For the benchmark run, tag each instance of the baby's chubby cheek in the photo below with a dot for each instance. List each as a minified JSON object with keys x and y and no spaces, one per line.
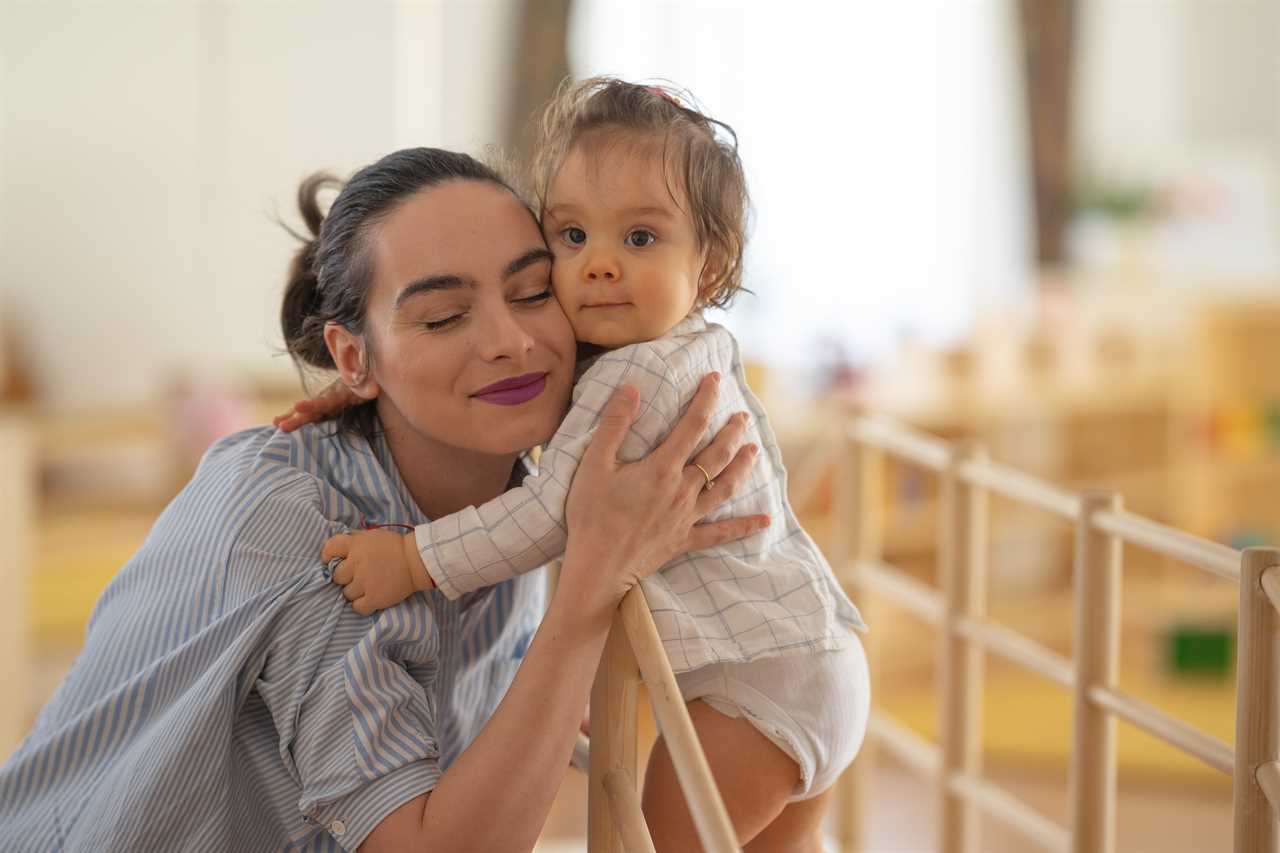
{"x":570,"y":307}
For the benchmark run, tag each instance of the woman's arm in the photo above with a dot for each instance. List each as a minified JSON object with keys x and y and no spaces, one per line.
{"x":625,"y":521}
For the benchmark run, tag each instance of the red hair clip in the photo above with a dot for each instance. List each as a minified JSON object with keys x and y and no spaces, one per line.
{"x":665,"y":95}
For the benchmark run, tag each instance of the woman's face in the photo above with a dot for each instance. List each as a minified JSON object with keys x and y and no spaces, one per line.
{"x":470,"y":348}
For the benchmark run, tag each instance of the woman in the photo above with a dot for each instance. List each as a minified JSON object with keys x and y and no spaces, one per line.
{"x":228,"y":698}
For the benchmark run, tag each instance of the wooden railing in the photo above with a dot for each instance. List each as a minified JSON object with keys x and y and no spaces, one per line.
{"x":614,"y":822}
{"x":17,"y":521}
{"x":957,"y":607}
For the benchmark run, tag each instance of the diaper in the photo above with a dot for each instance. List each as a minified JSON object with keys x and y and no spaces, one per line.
{"x":813,"y":706}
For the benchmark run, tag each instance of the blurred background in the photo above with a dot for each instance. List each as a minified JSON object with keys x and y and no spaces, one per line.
{"x":1053,"y":226}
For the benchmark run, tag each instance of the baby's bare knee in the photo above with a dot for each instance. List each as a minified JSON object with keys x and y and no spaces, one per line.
{"x":798,"y":829}
{"x":754,"y":778}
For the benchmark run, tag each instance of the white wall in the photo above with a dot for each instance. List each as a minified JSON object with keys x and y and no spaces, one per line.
{"x":145,"y":148}
{"x":1184,"y":96}
{"x":883,"y":144}
{"x":1160,"y":81}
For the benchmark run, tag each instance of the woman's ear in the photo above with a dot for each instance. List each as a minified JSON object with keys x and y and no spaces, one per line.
{"x":351,"y":357}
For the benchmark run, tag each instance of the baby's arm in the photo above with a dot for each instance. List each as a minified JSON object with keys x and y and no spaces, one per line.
{"x":524,"y":527}
{"x":378,"y":568}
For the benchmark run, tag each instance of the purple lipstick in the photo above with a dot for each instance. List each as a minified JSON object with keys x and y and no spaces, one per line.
{"x":513,"y":391}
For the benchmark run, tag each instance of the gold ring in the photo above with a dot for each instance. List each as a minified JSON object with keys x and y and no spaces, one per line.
{"x":710,"y":482}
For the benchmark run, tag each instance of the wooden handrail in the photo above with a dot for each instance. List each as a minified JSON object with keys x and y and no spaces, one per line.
{"x":1102,"y":527}
{"x":1167,"y":541}
{"x":1158,"y":724}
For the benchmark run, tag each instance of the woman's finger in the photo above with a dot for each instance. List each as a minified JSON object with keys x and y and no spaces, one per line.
{"x":719,"y":532}
{"x":703,"y":471}
{"x":677,"y":447}
{"x":615,"y":420}
{"x":717,"y":455}
{"x":728,"y":480}
{"x":338,"y":545}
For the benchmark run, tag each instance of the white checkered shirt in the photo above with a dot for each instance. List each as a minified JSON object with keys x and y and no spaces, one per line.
{"x":769,"y":594}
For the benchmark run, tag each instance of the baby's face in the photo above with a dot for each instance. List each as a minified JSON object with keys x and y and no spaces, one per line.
{"x":627,"y":263}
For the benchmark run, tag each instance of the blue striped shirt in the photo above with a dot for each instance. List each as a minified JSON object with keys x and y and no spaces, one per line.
{"x":228,"y":697}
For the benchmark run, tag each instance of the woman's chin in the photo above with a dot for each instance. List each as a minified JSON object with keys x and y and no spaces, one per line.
{"x":517,"y":434}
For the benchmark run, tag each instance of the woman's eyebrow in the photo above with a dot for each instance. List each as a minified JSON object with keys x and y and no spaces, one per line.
{"x":527,"y":259}
{"x":453,"y":281}
{"x":446,"y":281}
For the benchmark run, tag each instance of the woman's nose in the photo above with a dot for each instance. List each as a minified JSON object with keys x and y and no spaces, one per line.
{"x":503,"y":336}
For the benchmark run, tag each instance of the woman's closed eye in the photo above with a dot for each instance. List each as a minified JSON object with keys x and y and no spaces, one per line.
{"x":535,"y":298}
{"x":433,"y":325}
{"x":540,"y":297}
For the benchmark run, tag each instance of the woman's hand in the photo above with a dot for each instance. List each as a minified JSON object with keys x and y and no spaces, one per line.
{"x":327,"y":404}
{"x":626,"y":520}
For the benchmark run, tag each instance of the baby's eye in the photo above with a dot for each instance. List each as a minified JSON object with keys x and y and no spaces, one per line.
{"x":574,"y":236}
{"x":640,"y":238}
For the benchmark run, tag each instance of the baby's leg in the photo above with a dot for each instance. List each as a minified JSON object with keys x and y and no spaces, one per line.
{"x":754,"y":777}
{"x":797,"y":830}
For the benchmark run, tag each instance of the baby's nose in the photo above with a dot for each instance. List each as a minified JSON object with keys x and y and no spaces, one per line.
{"x":602,"y":266}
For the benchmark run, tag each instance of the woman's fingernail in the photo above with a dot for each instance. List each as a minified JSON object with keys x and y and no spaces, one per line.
{"x":753,"y":449}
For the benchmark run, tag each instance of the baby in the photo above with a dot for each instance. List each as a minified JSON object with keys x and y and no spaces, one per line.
{"x":644,"y":205}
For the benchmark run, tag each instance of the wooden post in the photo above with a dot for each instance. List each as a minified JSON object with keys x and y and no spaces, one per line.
{"x":17,"y":498}
{"x":1257,"y":704}
{"x":706,"y":808}
{"x":613,"y":736}
{"x":962,"y":552}
{"x":857,"y":516}
{"x":628,"y":813}
{"x":1092,"y":775}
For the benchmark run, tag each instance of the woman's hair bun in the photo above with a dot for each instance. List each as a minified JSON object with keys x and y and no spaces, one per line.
{"x":299,"y":320}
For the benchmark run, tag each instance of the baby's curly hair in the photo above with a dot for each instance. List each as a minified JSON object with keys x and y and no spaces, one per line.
{"x":699,"y":150}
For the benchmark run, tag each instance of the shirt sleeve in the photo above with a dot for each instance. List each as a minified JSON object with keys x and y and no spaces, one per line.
{"x":524,"y":528}
{"x":356,"y":729}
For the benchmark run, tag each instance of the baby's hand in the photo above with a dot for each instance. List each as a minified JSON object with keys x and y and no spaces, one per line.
{"x":327,"y":404}
{"x":376,"y":569}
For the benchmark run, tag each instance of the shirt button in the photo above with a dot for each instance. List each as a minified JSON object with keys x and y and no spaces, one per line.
{"x":338,"y":827}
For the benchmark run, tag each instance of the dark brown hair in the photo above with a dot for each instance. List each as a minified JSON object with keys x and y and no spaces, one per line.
{"x":330,"y":277}
{"x":701,"y":152}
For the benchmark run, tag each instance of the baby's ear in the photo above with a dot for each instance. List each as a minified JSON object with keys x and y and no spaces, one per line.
{"x":714,"y":269}
{"x":351,"y":357}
